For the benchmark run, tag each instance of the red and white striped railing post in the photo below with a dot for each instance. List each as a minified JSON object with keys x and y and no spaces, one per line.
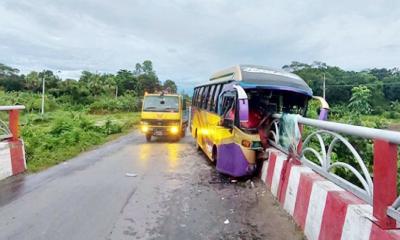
{"x":13,"y":123}
{"x":385,"y":181}
{"x":11,"y":146}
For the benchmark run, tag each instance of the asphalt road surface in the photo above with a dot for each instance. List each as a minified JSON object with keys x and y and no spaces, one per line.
{"x":130,"y":189}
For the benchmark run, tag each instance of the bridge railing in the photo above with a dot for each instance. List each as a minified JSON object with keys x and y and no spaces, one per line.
{"x":10,"y":130}
{"x":317,"y":151}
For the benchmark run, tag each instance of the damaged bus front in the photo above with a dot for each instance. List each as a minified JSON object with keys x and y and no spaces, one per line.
{"x":232,"y":112}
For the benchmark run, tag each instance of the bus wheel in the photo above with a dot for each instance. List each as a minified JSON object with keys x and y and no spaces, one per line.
{"x":148,"y":137}
{"x":214,"y":156}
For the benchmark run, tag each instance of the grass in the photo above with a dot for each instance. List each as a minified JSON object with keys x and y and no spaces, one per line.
{"x":61,"y":135}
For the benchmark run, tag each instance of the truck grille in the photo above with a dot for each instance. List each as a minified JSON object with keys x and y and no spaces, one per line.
{"x":155,"y":122}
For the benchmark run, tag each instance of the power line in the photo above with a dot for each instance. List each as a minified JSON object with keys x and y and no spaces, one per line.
{"x":365,"y":84}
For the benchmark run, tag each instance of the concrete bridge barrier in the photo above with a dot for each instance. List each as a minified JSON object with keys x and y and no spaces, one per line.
{"x":12,"y":152}
{"x":326,"y":206}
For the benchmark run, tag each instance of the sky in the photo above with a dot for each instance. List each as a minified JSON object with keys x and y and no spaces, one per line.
{"x":189,"y":40}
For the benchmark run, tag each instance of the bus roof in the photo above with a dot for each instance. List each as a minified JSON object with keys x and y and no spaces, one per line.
{"x":250,"y":76}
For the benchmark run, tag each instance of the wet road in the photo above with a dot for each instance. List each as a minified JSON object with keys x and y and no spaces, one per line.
{"x":176,"y":194}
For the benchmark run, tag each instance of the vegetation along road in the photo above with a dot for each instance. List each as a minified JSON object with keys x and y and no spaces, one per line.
{"x":130,"y":189}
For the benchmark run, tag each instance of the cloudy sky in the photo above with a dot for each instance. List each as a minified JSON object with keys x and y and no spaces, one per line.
{"x":188,"y":40}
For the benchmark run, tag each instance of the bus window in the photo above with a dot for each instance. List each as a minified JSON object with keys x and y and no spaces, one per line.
{"x":210,"y":98}
{"x":194,"y":96}
{"x":228,"y":107}
{"x":199,"y":96}
{"x":214,"y":104}
{"x":204,"y":97}
{"x":227,"y":104}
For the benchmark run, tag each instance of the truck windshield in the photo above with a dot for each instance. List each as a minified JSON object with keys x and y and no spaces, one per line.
{"x":161,"y":104}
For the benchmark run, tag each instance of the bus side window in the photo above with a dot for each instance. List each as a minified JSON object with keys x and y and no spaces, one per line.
{"x":194,"y":97}
{"x":215,"y":101}
{"x":199,"y":96}
{"x":204,"y":98}
{"x":210,"y":98}
{"x":227,"y":106}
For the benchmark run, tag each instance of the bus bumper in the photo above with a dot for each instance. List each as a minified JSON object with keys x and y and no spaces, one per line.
{"x":232,"y":161}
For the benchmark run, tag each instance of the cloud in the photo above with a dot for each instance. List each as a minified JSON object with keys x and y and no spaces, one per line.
{"x":188,"y":40}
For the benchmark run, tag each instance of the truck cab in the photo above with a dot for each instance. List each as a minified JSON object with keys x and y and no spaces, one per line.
{"x":163,"y":115}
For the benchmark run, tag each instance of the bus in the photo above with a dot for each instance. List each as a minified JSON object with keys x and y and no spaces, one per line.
{"x":163,"y":114}
{"x":229,"y":110}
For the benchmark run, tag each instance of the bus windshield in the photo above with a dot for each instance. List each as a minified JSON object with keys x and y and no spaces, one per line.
{"x":161,"y":104}
{"x":263,"y":103}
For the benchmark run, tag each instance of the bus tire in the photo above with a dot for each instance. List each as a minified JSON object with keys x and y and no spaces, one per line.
{"x":214,"y":155}
{"x":148,"y":137}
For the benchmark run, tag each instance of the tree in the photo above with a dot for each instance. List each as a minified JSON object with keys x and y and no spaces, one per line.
{"x":148,"y":84}
{"x":7,"y":71}
{"x":391,"y":88}
{"x":138,"y":69}
{"x":359,"y":101}
{"x":147,"y":67}
{"x":77,"y":91}
{"x":147,"y":80}
{"x":126,"y":81}
{"x":171,"y":85}
{"x":85,"y":77}
{"x":9,"y":78}
{"x":32,"y":82}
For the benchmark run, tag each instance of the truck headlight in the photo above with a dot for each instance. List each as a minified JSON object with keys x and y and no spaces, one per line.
{"x":174,"y":129}
{"x":145,"y":128}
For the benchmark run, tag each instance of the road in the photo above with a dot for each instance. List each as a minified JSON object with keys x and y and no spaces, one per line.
{"x":176,"y":194}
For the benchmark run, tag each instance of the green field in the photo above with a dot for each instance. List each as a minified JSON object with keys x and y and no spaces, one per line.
{"x":61,"y":135}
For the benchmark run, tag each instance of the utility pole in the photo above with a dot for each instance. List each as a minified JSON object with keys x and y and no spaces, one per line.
{"x":323,"y":88}
{"x":43,"y":86}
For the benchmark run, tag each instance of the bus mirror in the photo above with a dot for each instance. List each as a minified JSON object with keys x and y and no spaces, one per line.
{"x":324,"y":110}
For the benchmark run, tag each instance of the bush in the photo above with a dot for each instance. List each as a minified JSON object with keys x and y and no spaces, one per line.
{"x":126,"y":103}
{"x":62,"y":137}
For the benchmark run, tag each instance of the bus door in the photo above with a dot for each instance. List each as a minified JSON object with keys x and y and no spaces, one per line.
{"x":233,"y":110}
{"x":226,"y":109}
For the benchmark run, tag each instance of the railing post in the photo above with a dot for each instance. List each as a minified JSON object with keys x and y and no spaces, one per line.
{"x":385,"y":181}
{"x":13,"y":124}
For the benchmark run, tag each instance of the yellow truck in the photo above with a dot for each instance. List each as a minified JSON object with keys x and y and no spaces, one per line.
{"x":163,"y":115}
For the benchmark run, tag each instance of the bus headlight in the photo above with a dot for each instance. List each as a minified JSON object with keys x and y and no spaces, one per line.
{"x":174,"y":129}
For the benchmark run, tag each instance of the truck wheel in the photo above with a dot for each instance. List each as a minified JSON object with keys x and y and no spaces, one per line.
{"x":148,"y":137}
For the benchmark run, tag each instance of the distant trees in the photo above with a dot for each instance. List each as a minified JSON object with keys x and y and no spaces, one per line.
{"x":9,"y":78}
{"x":170,"y":85}
{"x":142,"y":78}
{"x":384,"y":84}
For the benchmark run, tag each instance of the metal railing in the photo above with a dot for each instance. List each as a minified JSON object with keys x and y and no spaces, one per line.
{"x":10,"y":130}
{"x":380,"y":190}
